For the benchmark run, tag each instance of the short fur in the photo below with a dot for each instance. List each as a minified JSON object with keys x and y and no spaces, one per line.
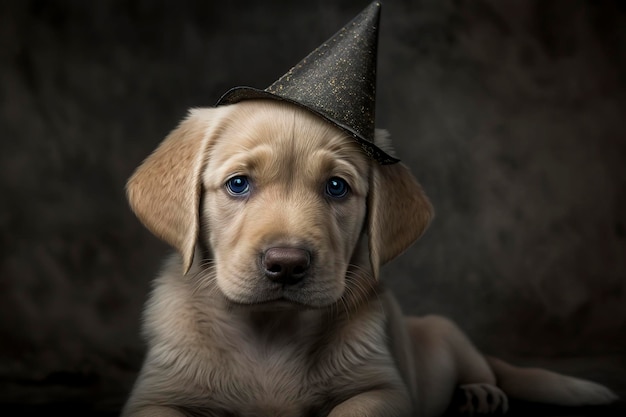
{"x":225,"y":340}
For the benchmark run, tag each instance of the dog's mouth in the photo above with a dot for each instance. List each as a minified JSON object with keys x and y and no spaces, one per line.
{"x":277,"y":298}
{"x":281,"y":302}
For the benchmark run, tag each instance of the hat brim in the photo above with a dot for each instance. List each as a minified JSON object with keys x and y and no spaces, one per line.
{"x":237,"y":94}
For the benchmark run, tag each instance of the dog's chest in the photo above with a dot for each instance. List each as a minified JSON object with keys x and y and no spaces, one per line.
{"x":268,"y":373}
{"x":271,"y":379}
{"x":295,"y":372}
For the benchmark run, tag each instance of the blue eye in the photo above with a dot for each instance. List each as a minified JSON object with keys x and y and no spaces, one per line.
{"x":238,"y":185}
{"x":337,"y":187}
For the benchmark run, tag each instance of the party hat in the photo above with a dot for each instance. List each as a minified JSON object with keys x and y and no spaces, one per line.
{"x":337,"y":81}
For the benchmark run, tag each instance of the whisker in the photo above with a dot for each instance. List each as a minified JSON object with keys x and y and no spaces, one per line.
{"x":360,"y":285}
{"x":345,"y":304}
{"x":204,"y":278}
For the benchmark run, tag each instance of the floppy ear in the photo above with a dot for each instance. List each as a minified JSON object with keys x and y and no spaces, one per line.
{"x":164,"y":192}
{"x":398,"y":212}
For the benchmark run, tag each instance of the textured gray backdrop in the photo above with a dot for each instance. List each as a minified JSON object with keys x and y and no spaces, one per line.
{"x":511,"y":113}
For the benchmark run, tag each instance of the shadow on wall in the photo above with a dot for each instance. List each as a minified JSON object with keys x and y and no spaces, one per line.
{"x":510,"y":113}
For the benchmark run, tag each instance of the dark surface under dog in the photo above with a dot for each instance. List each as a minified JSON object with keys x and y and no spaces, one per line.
{"x":83,"y":403}
{"x":513,"y":124}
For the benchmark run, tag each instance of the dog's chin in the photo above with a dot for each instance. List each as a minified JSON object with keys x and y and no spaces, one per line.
{"x":281,"y":302}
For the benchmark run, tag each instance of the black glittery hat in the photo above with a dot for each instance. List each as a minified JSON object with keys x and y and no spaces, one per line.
{"x":337,"y":81}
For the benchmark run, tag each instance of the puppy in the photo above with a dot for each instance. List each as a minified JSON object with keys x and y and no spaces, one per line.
{"x":273,"y":304}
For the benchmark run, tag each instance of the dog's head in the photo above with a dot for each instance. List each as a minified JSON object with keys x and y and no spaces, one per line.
{"x":288,"y":205}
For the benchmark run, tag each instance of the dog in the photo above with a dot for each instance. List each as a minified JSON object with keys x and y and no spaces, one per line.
{"x":273,"y":304}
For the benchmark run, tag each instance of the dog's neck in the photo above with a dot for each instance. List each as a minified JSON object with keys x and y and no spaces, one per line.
{"x":279,"y":325}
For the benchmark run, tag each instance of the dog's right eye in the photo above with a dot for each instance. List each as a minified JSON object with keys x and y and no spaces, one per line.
{"x":238,"y":186}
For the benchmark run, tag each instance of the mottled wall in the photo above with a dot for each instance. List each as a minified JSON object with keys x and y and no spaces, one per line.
{"x":511,"y":113}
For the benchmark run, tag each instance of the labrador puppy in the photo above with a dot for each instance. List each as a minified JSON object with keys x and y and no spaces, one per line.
{"x":273,"y":305}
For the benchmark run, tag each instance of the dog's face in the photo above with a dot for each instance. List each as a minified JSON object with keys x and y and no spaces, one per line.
{"x":288,"y":206}
{"x":284,"y":205}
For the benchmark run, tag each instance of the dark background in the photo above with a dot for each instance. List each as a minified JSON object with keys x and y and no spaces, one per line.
{"x":511,"y":113}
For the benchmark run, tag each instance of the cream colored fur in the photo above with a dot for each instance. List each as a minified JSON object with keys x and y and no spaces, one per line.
{"x":224,"y":340}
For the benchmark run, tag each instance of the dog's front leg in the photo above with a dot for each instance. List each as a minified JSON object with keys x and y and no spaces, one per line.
{"x":375,"y":403}
{"x":162,"y":411}
{"x":155,"y":411}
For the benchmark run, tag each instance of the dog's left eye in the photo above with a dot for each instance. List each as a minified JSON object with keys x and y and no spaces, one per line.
{"x":337,"y":187}
{"x":238,"y":185}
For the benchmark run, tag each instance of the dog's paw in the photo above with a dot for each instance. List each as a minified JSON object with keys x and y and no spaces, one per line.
{"x":482,"y":399}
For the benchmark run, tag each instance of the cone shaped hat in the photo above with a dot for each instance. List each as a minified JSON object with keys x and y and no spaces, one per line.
{"x":337,"y":81}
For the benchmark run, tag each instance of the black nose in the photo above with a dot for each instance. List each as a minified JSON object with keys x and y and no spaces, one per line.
{"x":286,"y":265}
